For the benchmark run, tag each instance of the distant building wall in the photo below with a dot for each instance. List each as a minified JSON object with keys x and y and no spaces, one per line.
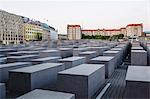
{"x":130,"y":30}
{"x":11,"y":28}
{"x":134,"y":30}
{"x":74,"y":32}
{"x":32,"y":31}
{"x":54,"y":35}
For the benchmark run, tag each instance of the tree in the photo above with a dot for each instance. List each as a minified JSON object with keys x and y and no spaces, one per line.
{"x":39,"y":36}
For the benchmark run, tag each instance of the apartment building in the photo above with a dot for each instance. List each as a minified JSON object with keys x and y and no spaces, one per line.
{"x":74,"y":32}
{"x":129,"y":31}
{"x":32,"y":31}
{"x":36,"y":30}
{"x":134,"y":30}
{"x":11,"y":28}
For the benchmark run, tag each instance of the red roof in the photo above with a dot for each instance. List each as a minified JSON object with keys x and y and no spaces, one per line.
{"x":74,"y":26}
{"x":135,"y":25}
{"x":112,"y":29}
{"x":90,"y":30}
{"x":102,"y":30}
{"x":123,"y":28}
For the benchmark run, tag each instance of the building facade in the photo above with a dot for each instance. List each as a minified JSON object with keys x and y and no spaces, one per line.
{"x":74,"y":32}
{"x":11,"y":28}
{"x":32,"y":31}
{"x":128,"y":31}
{"x":134,"y":30}
{"x":62,"y":37}
{"x":36,"y":30}
{"x":15,"y":29}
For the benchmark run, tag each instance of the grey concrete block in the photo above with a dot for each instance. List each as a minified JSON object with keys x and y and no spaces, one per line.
{"x":138,"y":82}
{"x":76,"y":51}
{"x":148,"y":55}
{"x":50,"y":53}
{"x":137,"y":48}
{"x":26,"y":48}
{"x":88,"y":55}
{"x":45,"y":94}
{"x":20,"y":53}
{"x":66,"y":52}
{"x":25,"y":58}
{"x":72,"y":61}
{"x":83,"y":80}
{"x":108,"y":61}
{"x":38,"y":49}
{"x":37,"y":76}
{"x":2,"y":91}
{"x":138,"y":57}
{"x":4,"y":68}
{"x":110,"y":53}
{"x":116,"y":55}
{"x":99,"y":50}
{"x":45,"y":60}
{"x":6,"y":51}
{"x":135,"y":44}
{"x":2,"y":56}
{"x":121,"y":51}
{"x":125,"y":47}
{"x":3,"y":60}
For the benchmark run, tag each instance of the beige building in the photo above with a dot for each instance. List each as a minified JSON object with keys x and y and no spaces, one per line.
{"x":103,"y":32}
{"x":134,"y":30}
{"x":11,"y":28}
{"x":74,"y":32}
{"x":32,"y":31}
{"x":128,"y":31}
{"x":36,"y":30}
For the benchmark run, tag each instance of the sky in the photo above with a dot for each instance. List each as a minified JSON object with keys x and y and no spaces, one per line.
{"x":90,"y":14}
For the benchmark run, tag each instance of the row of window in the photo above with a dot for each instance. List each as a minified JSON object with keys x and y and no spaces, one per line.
{"x":8,"y":35}
{"x":12,"y":38}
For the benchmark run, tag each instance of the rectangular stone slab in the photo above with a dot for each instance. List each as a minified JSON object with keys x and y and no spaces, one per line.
{"x":116,"y":55}
{"x":72,"y":61}
{"x":83,"y":80}
{"x":3,"y":60}
{"x":138,"y":82}
{"x":108,"y":61}
{"x":2,"y":91}
{"x":25,"y":58}
{"x":36,"y":76}
{"x":121,"y":51}
{"x":137,"y":48}
{"x":20,"y":53}
{"x":2,"y":56}
{"x":88,"y":55}
{"x":148,"y":55}
{"x":76,"y":51}
{"x":46,"y":94}
{"x":50,"y":53}
{"x":138,"y":57}
{"x":4,"y":68}
{"x":99,"y":50}
{"x":45,"y":60}
{"x":5,"y":51}
{"x":66,"y":52}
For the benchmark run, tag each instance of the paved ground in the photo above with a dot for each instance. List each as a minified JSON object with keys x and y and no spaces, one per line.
{"x":117,"y":80}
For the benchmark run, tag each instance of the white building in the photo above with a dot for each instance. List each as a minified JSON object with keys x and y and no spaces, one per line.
{"x":74,"y":32}
{"x":11,"y":28}
{"x":54,"y":34}
{"x":134,"y":30}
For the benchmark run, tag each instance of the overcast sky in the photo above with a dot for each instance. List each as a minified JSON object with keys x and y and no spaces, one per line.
{"x":90,"y":14}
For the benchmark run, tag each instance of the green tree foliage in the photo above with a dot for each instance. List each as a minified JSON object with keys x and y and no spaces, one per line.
{"x":114,"y":37}
{"x":39,"y":36}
